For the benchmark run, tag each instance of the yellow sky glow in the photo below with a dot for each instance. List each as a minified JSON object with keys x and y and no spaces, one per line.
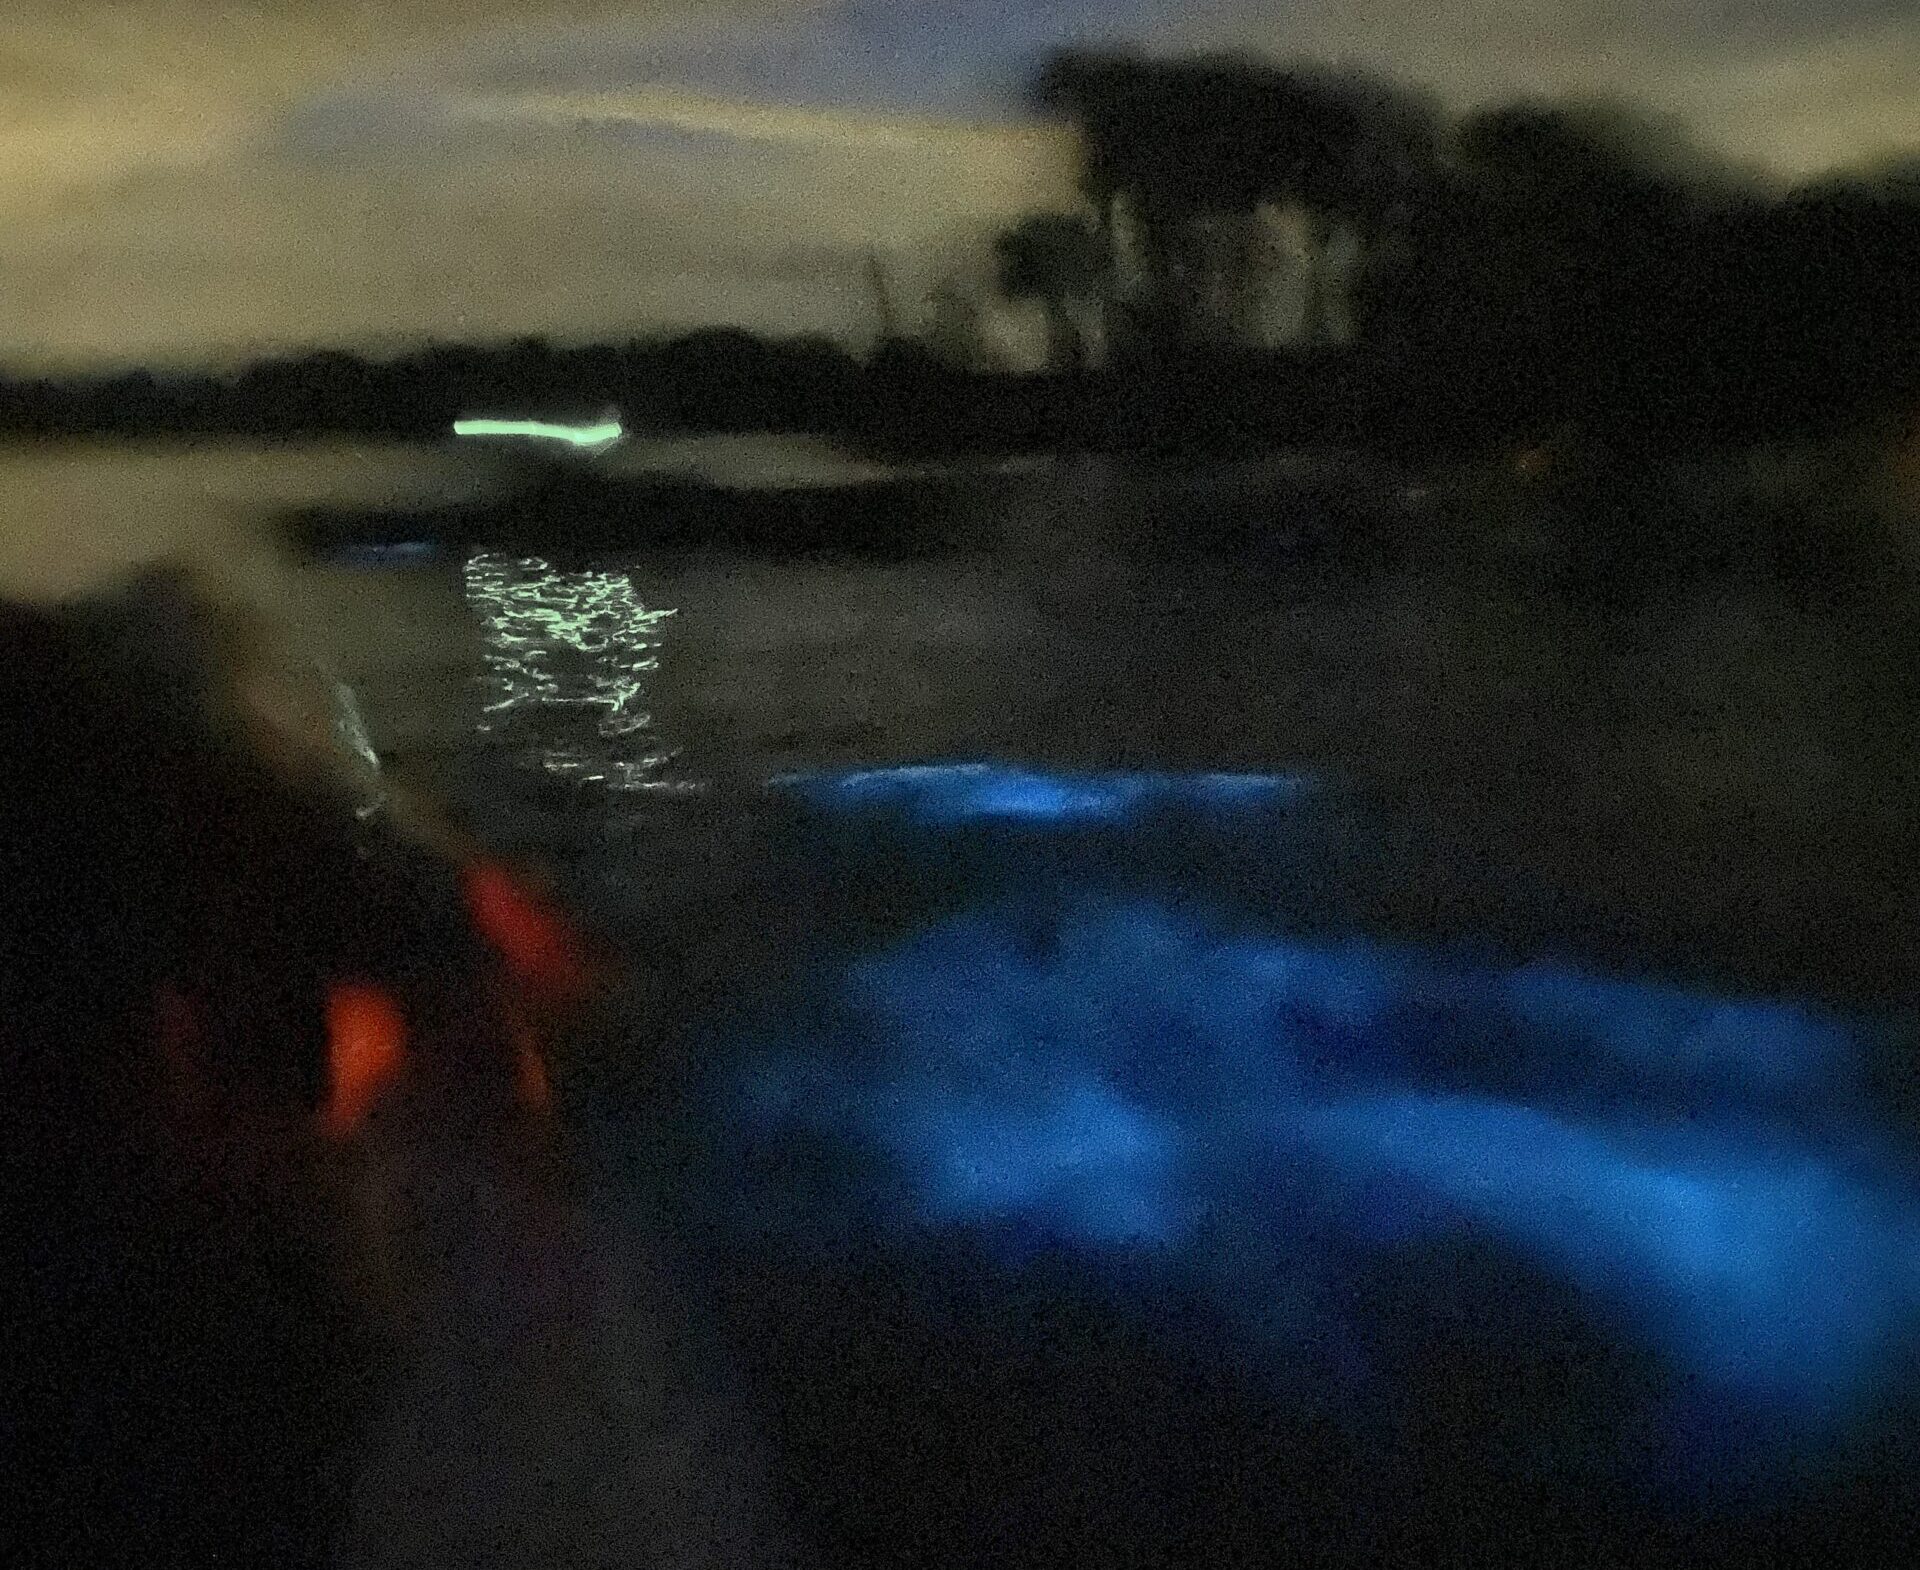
{"x":669,"y":109}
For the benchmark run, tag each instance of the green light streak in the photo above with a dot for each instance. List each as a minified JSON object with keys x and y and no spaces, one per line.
{"x":602,"y":435}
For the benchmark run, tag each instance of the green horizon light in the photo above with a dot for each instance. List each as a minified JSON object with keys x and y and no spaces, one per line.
{"x":601,"y":435}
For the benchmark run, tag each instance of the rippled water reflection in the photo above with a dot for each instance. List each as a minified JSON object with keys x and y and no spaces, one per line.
{"x":570,"y":656}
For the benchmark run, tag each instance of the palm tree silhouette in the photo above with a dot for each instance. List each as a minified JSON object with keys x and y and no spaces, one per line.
{"x":1193,"y":150}
{"x":1061,"y":262}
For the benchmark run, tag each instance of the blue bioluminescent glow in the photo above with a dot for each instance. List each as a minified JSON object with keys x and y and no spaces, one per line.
{"x":953,"y":793}
{"x":1752,"y":1261}
{"x":603,"y":434}
{"x":1084,"y":1159}
{"x":1269,"y":1116}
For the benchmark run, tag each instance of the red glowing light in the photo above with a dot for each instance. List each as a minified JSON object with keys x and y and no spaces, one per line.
{"x":366,"y":1049}
{"x":535,"y":943}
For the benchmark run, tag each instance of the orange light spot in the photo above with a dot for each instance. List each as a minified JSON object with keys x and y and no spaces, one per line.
{"x":366,"y":1048}
{"x":533,"y":940}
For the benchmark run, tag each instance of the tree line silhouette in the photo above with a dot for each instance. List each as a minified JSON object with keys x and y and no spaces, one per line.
{"x":1527,"y":264}
{"x":1484,"y":278}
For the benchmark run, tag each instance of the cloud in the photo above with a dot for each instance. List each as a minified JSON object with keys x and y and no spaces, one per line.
{"x":354,"y":194}
{"x":1848,"y":101}
{"x":1791,"y":86}
{"x":564,"y":226}
{"x":747,"y":121}
{"x":178,"y":177}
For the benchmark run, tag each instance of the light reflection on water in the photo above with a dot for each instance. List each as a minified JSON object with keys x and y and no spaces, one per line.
{"x":562,"y":647}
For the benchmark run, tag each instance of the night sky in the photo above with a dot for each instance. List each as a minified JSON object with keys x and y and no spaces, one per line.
{"x":186,"y":179}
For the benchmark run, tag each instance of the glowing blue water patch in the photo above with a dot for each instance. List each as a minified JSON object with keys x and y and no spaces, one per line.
{"x":1266,"y":1115}
{"x":1084,"y":1160}
{"x":1755,"y":1048}
{"x":1758,"y":1262}
{"x":956,"y":793}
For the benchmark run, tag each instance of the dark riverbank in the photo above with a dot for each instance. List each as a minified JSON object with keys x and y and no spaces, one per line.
{"x":906,"y":404}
